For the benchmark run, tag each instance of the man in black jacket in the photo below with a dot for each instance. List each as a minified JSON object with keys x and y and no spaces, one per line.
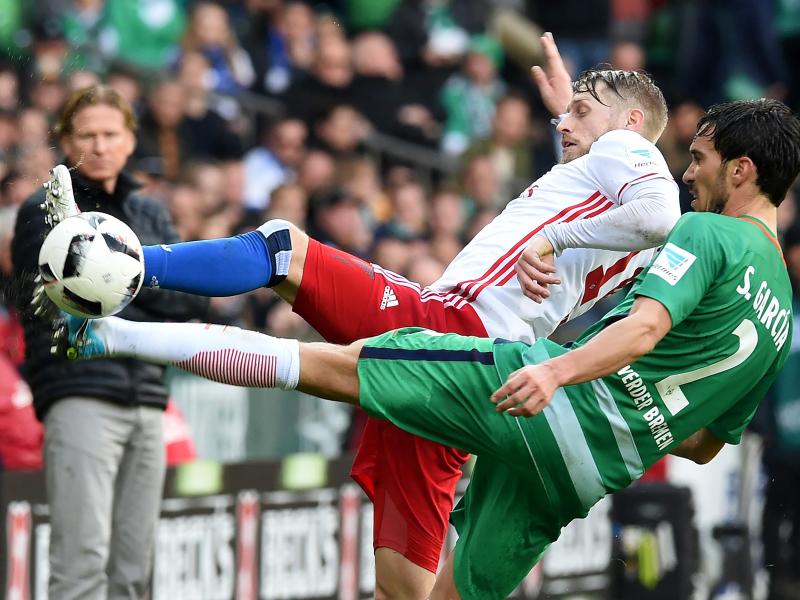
{"x":104,"y":448}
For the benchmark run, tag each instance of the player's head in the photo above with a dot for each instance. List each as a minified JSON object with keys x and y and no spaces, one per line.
{"x":96,"y":129}
{"x":748,"y":148}
{"x":604,"y":100}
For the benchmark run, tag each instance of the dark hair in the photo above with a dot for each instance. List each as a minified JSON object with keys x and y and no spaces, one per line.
{"x":766,"y":132}
{"x":631,"y":86}
{"x":93,"y":96}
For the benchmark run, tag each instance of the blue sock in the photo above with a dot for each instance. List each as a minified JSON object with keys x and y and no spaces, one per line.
{"x":221,"y":267}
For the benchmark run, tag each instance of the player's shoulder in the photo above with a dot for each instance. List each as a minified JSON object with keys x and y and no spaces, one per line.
{"x":624,"y":140}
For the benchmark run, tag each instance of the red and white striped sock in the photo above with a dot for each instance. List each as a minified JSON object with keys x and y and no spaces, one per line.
{"x":225,"y":354}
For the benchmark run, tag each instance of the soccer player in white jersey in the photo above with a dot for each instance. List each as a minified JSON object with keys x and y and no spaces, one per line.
{"x":602,"y":211}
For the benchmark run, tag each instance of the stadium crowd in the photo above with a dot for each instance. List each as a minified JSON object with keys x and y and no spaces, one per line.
{"x":392,"y":129}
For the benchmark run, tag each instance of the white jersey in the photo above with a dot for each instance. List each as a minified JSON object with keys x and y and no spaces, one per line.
{"x":483,"y":273}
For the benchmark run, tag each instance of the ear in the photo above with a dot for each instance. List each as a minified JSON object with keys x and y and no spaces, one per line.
{"x":635,"y":120}
{"x":742,"y":170}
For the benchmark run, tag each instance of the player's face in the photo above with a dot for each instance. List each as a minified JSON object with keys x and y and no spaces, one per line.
{"x":585,"y":121}
{"x":705,"y":177}
{"x":100,"y":142}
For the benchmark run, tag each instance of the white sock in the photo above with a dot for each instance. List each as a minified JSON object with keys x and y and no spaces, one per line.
{"x":225,"y":354}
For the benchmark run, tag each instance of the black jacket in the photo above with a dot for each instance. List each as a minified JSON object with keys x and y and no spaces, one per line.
{"x":126,"y":381}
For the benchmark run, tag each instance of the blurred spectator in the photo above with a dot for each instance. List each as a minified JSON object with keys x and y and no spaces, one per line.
{"x":49,"y":48}
{"x":336,"y":220}
{"x":469,"y":97}
{"x":33,"y":128}
{"x":480,"y":186}
{"x":510,"y":145}
{"x":317,"y":171}
{"x":128,"y":84}
{"x":210,"y":33}
{"x":425,"y":270}
{"x":787,"y":24}
{"x":362,"y":15}
{"x":47,"y":95}
{"x":178,"y":126}
{"x":341,"y":131}
{"x":273,"y":163}
{"x":729,"y":50}
{"x":448,"y":216}
{"x":15,"y":188}
{"x":9,"y":88}
{"x":77,"y":80}
{"x":328,"y":84}
{"x":431,"y":37}
{"x":581,"y":28}
{"x":778,"y":420}
{"x":144,"y":34}
{"x":382,"y":95}
{"x":391,"y":253}
{"x":409,"y":218}
{"x":675,"y":141}
{"x":360,"y":178}
{"x":627,"y":55}
{"x":185,"y":206}
{"x":289,"y":202}
{"x":267,"y":46}
{"x":104,"y":453}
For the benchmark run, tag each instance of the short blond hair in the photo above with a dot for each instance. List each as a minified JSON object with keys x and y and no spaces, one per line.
{"x":636,"y":88}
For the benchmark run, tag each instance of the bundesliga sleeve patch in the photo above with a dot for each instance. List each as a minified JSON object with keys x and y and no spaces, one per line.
{"x":672,"y":263}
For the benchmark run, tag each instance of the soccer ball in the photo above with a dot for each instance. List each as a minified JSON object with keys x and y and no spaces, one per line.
{"x":91,"y":265}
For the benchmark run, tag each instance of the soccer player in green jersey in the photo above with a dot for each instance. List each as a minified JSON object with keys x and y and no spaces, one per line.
{"x":678,"y":367}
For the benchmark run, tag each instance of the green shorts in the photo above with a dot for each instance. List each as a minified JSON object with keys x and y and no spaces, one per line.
{"x":437,"y":386}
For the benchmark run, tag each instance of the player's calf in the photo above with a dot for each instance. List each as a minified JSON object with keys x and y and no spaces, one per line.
{"x":226,"y":266}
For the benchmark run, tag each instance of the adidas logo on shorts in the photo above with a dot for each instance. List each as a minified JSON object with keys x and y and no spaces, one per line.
{"x":389,"y":298}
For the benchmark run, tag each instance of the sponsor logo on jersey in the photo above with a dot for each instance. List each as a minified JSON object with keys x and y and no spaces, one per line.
{"x":672,"y":263}
{"x":641,"y":157}
{"x":389,"y":298}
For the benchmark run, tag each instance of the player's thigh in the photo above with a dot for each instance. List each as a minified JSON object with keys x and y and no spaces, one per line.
{"x":414,"y":483}
{"x":437,"y":386}
{"x":504,"y":524}
{"x":346,"y":298}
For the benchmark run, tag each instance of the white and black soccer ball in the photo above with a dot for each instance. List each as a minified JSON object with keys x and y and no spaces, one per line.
{"x":91,"y":265}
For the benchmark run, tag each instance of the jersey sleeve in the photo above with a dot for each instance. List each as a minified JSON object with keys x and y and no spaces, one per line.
{"x":685,"y":268}
{"x":621,"y":159}
{"x":729,"y":426}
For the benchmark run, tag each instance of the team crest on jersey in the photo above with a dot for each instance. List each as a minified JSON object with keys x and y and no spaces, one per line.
{"x":672,"y":263}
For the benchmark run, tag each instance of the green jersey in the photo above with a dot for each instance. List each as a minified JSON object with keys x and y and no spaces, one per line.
{"x":725,"y":286}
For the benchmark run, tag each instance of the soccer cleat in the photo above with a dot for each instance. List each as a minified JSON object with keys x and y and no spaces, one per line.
{"x":75,"y":338}
{"x":59,"y":199}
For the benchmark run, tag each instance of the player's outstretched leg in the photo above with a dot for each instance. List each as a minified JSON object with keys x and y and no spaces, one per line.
{"x":272,"y":255}
{"x":217,"y":352}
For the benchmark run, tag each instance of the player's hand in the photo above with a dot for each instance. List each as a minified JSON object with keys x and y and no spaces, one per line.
{"x":553,"y":81}
{"x":535,"y":268}
{"x":526,"y":391}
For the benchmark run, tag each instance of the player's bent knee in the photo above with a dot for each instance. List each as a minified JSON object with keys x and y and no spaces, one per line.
{"x":296,"y":248}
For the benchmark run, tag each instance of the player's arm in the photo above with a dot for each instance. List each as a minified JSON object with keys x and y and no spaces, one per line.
{"x":699,"y":447}
{"x":529,"y":389}
{"x":642,"y":222}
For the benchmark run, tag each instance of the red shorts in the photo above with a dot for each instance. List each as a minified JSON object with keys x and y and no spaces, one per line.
{"x":410,"y":480}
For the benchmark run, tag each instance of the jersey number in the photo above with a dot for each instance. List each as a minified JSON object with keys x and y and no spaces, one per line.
{"x":669,"y":388}
{"x":597,"y":278}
